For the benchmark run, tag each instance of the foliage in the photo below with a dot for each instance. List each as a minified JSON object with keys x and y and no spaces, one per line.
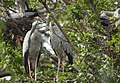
{"x":97,"y":53}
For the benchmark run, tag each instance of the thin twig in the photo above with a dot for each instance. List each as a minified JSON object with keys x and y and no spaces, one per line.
{"x":59,"y":36}
{"x":93,"y":6}
{"x":67,"y":2}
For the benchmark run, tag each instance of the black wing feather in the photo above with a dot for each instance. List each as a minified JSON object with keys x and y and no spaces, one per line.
{"x":26,"y":61}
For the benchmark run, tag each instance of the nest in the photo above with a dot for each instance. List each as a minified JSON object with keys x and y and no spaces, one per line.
{"x":16,"y":30}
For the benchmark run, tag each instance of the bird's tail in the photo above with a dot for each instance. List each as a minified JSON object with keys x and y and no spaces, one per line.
{"x":70,"y":58}
{"x":26,"y":62}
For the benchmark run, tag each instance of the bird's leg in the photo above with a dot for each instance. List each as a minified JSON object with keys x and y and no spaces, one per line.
{"x":58,"y":68}
{"x":36,"y":67}
{"x":29,"y":67}
{"x":63,"y":61}
{"x":37,"y":61}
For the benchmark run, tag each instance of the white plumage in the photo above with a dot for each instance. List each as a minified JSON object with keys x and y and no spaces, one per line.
{"x":46,"y":43}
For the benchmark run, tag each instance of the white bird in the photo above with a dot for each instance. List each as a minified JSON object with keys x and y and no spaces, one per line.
{"x":32,"y":46}
{"x":60,"y":46}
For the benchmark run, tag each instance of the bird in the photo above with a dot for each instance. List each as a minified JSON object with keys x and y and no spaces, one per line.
{"x":47,"y":47}
{"x":32,"y":46}
{"x":60,"y":46}
{"x":108,"y":24}
{"x":104,"y":17}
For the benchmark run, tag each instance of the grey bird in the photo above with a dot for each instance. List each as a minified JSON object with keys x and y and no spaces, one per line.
{"x":32,"y":46}
{"x":60,"y":46}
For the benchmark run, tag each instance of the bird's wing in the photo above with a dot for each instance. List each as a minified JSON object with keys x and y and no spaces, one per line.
{"x":25,"y":51}
{"x":26,"y":61}
{"x":57,"y":42}
{"x":25,"y":43}
{"x":68,"y":50}
{"x":39,"y":53}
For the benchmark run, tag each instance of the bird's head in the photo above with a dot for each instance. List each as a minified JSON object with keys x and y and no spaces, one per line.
{"x":117,"y":13}
{"x":38,"y":24}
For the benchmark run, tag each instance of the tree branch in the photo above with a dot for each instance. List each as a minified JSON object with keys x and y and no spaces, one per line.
{"x":16,"y":26}
{"x":93,"y":6}
{"x":3,"y":73}
{"x":67,"y":2}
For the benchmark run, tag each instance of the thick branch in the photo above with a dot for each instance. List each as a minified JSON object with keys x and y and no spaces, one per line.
{"x":3,"y":73}
{"x":42,"y":10}
{"x":67,"y":2}
{"x":20,"y":31}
